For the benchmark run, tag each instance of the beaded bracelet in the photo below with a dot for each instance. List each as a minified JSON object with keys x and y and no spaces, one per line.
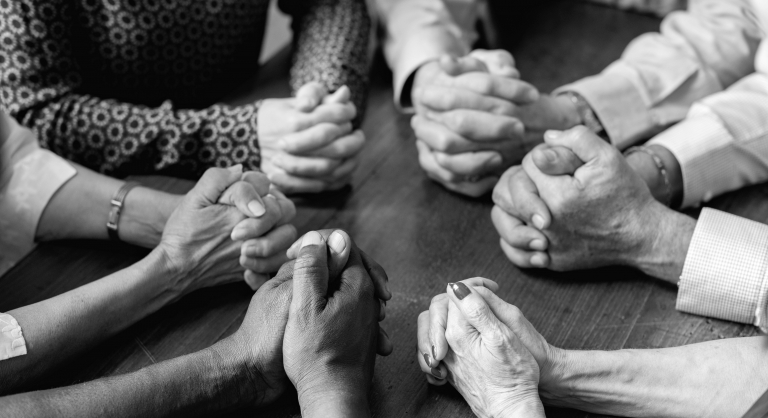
{"x":659,"y":165}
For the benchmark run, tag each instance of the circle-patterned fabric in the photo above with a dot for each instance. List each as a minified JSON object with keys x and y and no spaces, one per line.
{"x":128,"y":86}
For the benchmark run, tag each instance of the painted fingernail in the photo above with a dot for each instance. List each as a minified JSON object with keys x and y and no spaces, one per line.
{"x":256,"y":208}
{"x":460,"y":290}
{"x":538,"y":221}
{"x":311,"y":238}
{"x":426,"y":360}
{"x":436,"y":372}
{"x":337,"y":242}
{"x":434,"y":355}
{"x":538,"y":260}
{"x":538,"y":244}
{"x":550,"y":155}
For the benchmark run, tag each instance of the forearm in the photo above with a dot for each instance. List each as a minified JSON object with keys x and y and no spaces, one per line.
{"x":340,"y":404}
{"x":713,"y":379}
{"x":193,"y":385}
{"x":57,"y":328}
{"x":80,"y":209}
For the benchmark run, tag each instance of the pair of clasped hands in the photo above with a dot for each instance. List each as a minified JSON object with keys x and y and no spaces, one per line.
{"x":574,"y":203}
{"x":475,"y":118}
{"x":308,"y":143}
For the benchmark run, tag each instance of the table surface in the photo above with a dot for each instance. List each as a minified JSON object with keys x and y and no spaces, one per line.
{"x":423,"y":235}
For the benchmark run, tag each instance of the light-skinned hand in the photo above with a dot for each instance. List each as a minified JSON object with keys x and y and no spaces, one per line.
{"x":307,"y":143}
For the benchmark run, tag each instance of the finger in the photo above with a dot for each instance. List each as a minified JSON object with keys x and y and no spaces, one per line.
{"x":525,"y":259}
{"x":529,"y":205}
{"x":305,"y":166}
{"x":258,"y":180}
{"x":435,"y":342}
{"x":435,"y":382}
{"x":470,"y":163}
{"x":499,"y":62}
{"x":583,"y":142}
{"x":287,"y":208}
{"x":440,"y":138}
{"x":255,"y":280}
{"x":310,"y":95}
{"x":449,"y":180}
{"x":555,"y":161}
{"x":442,"y":98}
{"x":245,"y":197}
{"x":512,"y":89}
{"x":269,"y":264}
{"x":314,"y":137}
{"x":342,"y":147}
{"x":384,"y":346}
{"x":274,"y":242}
{"x":516,"y":233}
{"x":256,"y":227}
{"x":337,"y":113}
{"x":378,"y":276}
{"x":475,"y":310}
{"x":310,"y":274}
{"x":342,"y":95}
{"x":290,"y":184}
{"x":213,"y":183}
{"x":426,"y":361}
{"x":454,"y":66}
{"x":340,"y":245}
{"x":479,"y":126}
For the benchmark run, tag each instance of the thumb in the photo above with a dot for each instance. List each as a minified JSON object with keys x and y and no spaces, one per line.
{"x":340,"y":245}
{"x":309,"y":96}
{"x":499,"y":62}
{"x":583,"y":142}
{"x":456,"y":66}
{"x":555,"y":161}
{"x":310,"y":274}
{"x":213,"y":183}
{"x":474,"y":309}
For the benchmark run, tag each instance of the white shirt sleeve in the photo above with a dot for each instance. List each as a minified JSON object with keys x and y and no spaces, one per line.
{"x":724,"y":275}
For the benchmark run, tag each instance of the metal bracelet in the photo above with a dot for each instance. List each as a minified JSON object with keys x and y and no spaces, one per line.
{"x":659,"y":165}
{"x":117,"y":206}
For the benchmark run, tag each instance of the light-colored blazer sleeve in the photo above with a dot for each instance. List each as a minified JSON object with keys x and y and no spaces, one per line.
{"x":697,"y":53}
{"x":419,"y":31}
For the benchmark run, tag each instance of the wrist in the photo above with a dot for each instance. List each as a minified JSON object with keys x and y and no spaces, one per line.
{"x":529,"y":406}
{"x":339,"y":401}
{"x":419,"y":77}
{"x":669,"y":189}
{"x":569,"y":112}
{"x":144,"y":216}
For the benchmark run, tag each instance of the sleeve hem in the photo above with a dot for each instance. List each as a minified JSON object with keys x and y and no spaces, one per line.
{"x":12,"y":343}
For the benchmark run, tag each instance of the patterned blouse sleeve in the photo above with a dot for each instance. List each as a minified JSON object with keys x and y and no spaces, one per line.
{"x":39,"y":87}
{"x":331,"y":45}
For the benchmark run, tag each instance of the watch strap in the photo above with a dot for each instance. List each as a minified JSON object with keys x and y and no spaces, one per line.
{"x":117,"y":202}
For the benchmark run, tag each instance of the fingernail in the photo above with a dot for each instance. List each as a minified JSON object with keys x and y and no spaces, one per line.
{"x":538,"y":260}
{"x":538,"y":244}
{"x":538,"y":221}
{"x":434,"y":355}
{"x":552,"y":134}
{"x":550,"y":155}
{"x":337,"y":242}
{"x":460,"y":290}
{"x":256,"y":208}
{"x":436,"y":372}
{"x":494,"y":161}
{"x":426,"y":360}
{"x":311,"y":238}
{"x":237,"y":168}
{"x":533,"y":95}
{"x":237,"y":233}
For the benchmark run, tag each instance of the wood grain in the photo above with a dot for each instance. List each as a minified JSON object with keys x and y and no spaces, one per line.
{"x":423,"y":235}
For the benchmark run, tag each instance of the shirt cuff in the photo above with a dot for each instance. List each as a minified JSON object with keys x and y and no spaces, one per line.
{"x":725,"y":268}
{"x":702,"y":146}
{"x":12,"y":342}
{"x":617,"y":102}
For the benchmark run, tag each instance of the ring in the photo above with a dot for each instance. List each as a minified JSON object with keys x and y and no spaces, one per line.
{"x":472,"y":179}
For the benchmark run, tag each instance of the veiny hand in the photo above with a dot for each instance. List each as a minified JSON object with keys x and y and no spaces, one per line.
{"x":600,"y":215}
{"x":465,"y":125}
{"x":307,"y":142}
{"x":332,"y":335}
{"x":487,"y":362}
{"x":196,"y":240}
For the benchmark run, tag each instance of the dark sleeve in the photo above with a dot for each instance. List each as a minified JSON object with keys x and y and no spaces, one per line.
{"x":40,"y":88}
{"x":331,"y":45}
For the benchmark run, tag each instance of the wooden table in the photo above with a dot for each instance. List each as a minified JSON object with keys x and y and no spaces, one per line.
{"x":424,"y":237}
